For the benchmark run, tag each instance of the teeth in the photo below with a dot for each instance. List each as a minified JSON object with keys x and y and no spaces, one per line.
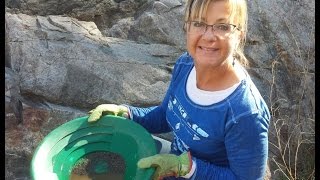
{"x":209,"y":49}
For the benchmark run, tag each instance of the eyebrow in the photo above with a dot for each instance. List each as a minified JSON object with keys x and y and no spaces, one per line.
{"x":219,"y":20}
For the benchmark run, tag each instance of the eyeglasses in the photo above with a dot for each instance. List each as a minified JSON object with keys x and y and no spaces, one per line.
{"x":221,"y":29}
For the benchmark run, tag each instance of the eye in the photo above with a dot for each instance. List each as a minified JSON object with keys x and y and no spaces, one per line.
{"x":198,"y":24}
{"x":223,"y":27}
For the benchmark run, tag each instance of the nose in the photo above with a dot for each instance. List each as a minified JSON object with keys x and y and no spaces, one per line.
{"x":209,"y":34}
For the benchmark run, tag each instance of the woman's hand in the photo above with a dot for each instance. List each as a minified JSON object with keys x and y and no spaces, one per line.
{"x":167,"y":164}
{"x":96,"y":113}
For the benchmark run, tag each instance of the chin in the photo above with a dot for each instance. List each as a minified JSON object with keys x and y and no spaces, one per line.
{"x":210,"y":61}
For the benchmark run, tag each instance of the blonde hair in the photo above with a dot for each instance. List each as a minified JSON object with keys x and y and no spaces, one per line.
{"x":196,"y":9}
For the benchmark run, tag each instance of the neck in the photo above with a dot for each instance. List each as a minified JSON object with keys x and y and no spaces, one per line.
{"x":216,"y":78}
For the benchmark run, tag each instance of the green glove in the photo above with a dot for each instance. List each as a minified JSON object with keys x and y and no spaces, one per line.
{"x":167,"y":164}
{"x":102,"y":109}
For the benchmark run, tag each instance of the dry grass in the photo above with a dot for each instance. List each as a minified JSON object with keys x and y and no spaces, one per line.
{"x":293,"y":137}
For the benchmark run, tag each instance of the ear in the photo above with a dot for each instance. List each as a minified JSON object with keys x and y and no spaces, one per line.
{"x":239,"y":36}
{"x":242,"y":34}
{"x":184,"y":28}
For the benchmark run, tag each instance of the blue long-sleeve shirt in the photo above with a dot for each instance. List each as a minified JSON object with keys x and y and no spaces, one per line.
{"x":227,"y":140}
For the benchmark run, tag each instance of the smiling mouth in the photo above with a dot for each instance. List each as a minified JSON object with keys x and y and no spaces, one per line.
{"x":208,"y":49}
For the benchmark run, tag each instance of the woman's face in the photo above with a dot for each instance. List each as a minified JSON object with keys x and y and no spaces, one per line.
{"x":210,"y":49}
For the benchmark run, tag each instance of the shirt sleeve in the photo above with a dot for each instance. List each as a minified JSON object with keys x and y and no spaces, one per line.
{"x":151,"y":118}
{"x":246,"y":142}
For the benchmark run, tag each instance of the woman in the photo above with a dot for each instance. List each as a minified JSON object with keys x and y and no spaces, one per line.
{"x":218,"y":117}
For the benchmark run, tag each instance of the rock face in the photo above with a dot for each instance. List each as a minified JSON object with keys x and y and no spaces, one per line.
{"x":64,"y":58}
{"x":69,"y":62}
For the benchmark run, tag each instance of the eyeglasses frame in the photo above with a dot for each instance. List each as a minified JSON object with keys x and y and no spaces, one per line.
{"x":188,"y":22}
